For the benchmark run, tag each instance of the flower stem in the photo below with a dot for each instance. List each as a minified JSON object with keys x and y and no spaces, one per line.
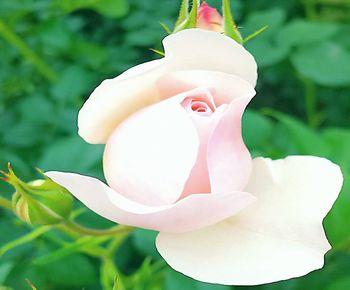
{"x":26,"y":51}
{"x":24,"y":239}
{"x":74,"y":227}
{"x":310,"y":102}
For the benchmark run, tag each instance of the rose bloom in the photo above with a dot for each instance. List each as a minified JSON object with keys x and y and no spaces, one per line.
{"x":175,"y":162}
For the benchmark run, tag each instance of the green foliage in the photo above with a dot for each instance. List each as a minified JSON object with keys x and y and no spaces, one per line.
{"x":175,"y":280}
{"x":326,"y":64}
{"x":53,"y":53}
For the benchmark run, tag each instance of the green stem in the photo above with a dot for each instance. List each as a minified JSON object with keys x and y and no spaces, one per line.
{"x":5,"y":203}
{"x":74,"y":227}
{"x":310,"y":9}
{"x":24,"y":239}
{"x":310,"y":102}
{"x":26,"y":51}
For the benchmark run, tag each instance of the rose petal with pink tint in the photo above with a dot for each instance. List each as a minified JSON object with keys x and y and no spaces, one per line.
{"x":191,"y":213}
{"x":149,"y":157}
{"x":229,"y":161}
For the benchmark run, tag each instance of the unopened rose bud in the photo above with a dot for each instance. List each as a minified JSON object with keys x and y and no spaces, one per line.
{"x":40,"y":202}
{"x":209,"y":18}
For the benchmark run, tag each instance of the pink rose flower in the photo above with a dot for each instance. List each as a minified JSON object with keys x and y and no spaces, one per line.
{"x":175,"y":162}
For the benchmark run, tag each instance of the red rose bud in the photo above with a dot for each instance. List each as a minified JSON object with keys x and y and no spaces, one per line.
{"x":209,"y":18}
{"x":39,"y":202}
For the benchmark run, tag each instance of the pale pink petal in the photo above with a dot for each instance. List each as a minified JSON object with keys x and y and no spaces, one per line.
{"x":149,"y":157}
{"x":208,"y":50}
{"x":198,"y":181}
{"x":229,"y":161}
{"x":115,"y":99}
{"x":227,"y":87}
{"x":190,"y":213}
{"x":276,"y":238}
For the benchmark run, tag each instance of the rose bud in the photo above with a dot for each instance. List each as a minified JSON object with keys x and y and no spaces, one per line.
{"x":209,"y":18}
{"x":39,"y":202}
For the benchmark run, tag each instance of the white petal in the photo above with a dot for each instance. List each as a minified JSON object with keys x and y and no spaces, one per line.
{"x":277,"y":238}
{"x":209,"y":50}
{"x":149,"y":157}
{"x":193,"y":212}
{"x":115,"y":99}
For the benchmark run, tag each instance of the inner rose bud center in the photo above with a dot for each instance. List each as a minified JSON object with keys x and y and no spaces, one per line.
{"x":200,"y":105}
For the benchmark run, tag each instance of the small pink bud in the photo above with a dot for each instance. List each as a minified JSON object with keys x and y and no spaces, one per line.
{"x":209,"y":18}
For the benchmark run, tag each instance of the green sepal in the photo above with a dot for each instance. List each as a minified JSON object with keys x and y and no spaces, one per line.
{"x":230,"y":27}
{"x":191,"y":20}
{"x":165,"y":27}
{"x":161,"y":53}
{"x":183,"y":13}
{"x":255,"y":34}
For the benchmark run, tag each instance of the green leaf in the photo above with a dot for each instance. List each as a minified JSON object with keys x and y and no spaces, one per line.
{"x":326,"y":64}
{"x":176,"y":281}
{"x":339,"y":143}
{"x":257,"y":129}
{"x":144,"y":242}
{"x":75,"y":272}
{"x":72,"y":154}
{"x":64,"y":91}
{"x":108,"y":8}
{"x":266,"y":50}
{"x":306,"y":140}
{"x":337,"y":233}
{"x":112,"y":8}
{"x":5,"y":269}
{"x":341,"y":284}
{"x":301,"y":31}
{"x":22,"y":134}
{"x":230,"y":26}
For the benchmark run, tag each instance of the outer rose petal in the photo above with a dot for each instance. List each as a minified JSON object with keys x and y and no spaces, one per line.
{"x":202,"y":49}
{"x":278,"y":237}
{"x":115,"y":99}
{"x":149,"y":157}
{"x":190,"y":213}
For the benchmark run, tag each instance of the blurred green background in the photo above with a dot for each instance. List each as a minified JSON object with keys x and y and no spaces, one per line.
{"x":54,"y":53}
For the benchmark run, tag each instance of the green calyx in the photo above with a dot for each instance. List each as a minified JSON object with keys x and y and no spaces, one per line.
{"x":187,"y":18}
{"x":40,"y":202}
